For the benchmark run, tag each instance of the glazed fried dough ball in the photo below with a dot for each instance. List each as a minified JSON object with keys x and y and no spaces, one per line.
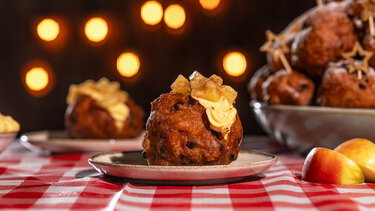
{"x":339,"y":88}
{"x":288,"y":88}
{"x":328,"y":34}
{"x":179,"y":133}
{"x":85,"y":119}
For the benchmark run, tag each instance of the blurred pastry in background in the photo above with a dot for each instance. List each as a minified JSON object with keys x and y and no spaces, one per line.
{"x":195,"y":124}
{"x":255,"y":85}
{"x":339,"y":88}
{"x":292,"y":88}
{"x":328,"y":33}
{"x":101,"y":110}
{"x":8,"y":124}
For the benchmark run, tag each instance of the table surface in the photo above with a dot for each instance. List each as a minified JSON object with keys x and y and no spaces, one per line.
{"x":29,"y":181}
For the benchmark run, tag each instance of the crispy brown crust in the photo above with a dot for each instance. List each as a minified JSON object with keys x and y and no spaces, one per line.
{"x":329,"y":32}
{"x":288,"y":88}
{"x":178,"y":133}
{"x":85,"y":119}
{"x":341,"y":89}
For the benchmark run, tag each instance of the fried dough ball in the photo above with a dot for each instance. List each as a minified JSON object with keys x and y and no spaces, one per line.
{"x":288,"y":88}
{"x":178,"y":133}
{"x":328,"y":33}
{"x":255,"y":85}
{"x":85,"y":119}
{"x":339,"y":88}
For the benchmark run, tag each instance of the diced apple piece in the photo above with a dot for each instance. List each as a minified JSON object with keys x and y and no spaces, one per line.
{"x":327,"y":166}
{"x":362,"y":152}
{"x":181,"y":85}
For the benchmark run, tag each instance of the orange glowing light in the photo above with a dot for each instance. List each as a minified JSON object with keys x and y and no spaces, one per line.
{"x":174,"y":16}
{"x":151,"y":12}
{"x":48,"y":29}
{"x":234,"y":63}
{"x":128,"y":64}
{"x":209,"y":4}
{"x":36,"y":78}
{"x":96,"y":29}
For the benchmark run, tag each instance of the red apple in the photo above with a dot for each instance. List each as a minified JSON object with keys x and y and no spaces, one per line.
{"x":362,"y":152}
{"x":327,"y":166}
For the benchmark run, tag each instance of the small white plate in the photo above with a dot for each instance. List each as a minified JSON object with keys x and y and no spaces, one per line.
{"x":57,"y":141}
{"x":132,"y":165}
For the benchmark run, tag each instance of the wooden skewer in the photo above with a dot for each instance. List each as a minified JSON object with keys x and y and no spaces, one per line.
{"x":319,"y":2}
{"x":371,"y":24}
{"x":284,"y":61}
{"x":359,"y":74}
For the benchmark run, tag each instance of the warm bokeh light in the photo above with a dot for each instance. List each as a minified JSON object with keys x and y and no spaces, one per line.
{"x":128,"y":64}
{"x":151,"y":12}
{"x":234,"y":63}
{"x":36,"y":79}
{"x":209,"y":4}
{"x":48,"y":29}
{"x":174,"y":16}
{"x":96,"y":29}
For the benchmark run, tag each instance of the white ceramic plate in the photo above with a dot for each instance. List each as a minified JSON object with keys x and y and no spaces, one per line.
{"x":132,"y":165}
{"x":57,"y":141}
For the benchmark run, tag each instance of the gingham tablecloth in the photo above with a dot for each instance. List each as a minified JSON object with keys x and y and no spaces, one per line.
{"x":29,"y":181}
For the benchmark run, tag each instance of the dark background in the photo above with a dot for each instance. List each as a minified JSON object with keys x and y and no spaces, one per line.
{"x":237,"y":25}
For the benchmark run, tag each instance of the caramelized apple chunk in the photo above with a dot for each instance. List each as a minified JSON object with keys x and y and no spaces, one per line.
{"x":181,"y":85}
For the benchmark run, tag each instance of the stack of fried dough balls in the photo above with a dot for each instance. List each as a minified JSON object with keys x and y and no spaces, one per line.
{"x":321,"y":75}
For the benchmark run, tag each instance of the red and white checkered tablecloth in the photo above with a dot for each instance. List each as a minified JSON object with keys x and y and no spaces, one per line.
{"x":67,"y":182}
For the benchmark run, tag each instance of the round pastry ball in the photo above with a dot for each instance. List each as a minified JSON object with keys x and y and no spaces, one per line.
{"x":178,"y":133}
{"x":255,"y":85}
{"x":368,"y":43}
{"x":288,"y":88}
{"x":339,"y":88}
{"x":328,"y":34}
{"x":85,"y":119}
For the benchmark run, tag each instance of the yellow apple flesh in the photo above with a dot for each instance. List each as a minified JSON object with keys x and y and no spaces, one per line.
{"x":327,"y":166}
{"x":362,"y":152}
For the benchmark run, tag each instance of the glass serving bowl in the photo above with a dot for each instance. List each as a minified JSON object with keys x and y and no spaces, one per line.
{"x":304,"y":127}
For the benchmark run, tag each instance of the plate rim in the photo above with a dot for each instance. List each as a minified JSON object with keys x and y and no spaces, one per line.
{"x":43,"y":144}
{"x":27,"y":135}
{"x":183,"y":168}
{"x":9,"y":133}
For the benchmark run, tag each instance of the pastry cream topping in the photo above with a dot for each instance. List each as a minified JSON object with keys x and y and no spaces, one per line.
{"x":108,"y":95}
{"x":221,"y":114}
{"x":8,"y":124}
{"x":210,"y":92}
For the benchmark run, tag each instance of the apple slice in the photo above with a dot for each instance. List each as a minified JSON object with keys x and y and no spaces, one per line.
{"x":327,"y":166}
{"x":361,"y":151}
